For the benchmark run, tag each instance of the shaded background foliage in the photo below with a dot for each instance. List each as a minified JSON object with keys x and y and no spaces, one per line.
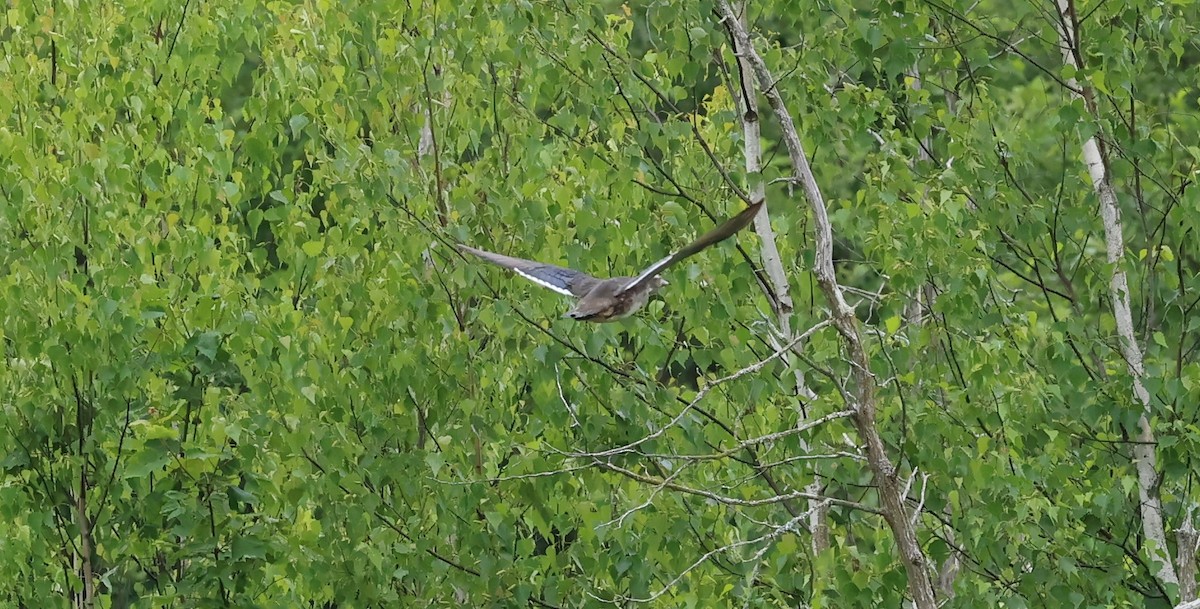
{"x":242,"y":367}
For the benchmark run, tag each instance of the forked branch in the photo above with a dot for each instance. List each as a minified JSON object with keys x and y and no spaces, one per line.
{"x":864,"y":383}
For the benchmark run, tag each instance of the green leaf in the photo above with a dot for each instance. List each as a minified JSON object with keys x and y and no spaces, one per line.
{"x":143,"y":462}
{"x":312,"y":248}
{"x":435,"y":461}
{"x":297,"y":123}
{"x":892,"y":323}
{"x":248,"y":547}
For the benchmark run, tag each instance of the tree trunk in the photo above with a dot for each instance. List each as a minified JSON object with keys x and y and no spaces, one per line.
{"x":883,"y":472}
{"x":1144,"y":456}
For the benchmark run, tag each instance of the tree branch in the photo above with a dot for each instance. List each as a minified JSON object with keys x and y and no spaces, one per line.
{"x":865,"y":403}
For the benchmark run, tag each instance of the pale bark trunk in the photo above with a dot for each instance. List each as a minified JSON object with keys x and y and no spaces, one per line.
{"x":772,"y":262}
{"x":88,"y":598}
{"x":890,"y":494}
{"x":1187,"y":540}
{"x":1145,"y":460}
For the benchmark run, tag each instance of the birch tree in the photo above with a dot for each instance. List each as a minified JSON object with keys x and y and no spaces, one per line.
{"x":243,"y":364}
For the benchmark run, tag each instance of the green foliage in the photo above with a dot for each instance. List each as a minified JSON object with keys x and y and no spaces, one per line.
{"x":243,"y":367}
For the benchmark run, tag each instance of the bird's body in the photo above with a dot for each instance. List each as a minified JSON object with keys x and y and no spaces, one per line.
{"x":602,"y":300}
{"x":607,"y":302}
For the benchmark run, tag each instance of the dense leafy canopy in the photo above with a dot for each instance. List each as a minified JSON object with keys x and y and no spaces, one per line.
{"x":243,"y":366}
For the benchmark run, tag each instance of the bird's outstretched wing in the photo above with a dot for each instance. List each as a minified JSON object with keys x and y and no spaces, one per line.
{"x":715,"y":235}
{"x":565,"y":281}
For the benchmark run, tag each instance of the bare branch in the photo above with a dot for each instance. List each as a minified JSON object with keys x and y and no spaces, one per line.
{"x":763,"y":439}
{"x":700,"y":396}
{"x":570,"y":407}
{"x":833,"y":455}
{"x":921,"y":501}
{"x":864,"y":383}
{"x":643,"y":505}
{"x":722,"y":499}
{"x":766,"y":538}
{"x":531,"y":475}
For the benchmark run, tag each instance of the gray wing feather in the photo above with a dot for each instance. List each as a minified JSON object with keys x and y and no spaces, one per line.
{"x":568,"y":282}
{"x":712,"y":237}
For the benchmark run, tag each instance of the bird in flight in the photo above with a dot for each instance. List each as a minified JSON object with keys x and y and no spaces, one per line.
{"x":601,"y":300}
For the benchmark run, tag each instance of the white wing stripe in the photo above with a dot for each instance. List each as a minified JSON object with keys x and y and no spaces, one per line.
{"x":650,"y":272}
{"x":543,"y":283}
